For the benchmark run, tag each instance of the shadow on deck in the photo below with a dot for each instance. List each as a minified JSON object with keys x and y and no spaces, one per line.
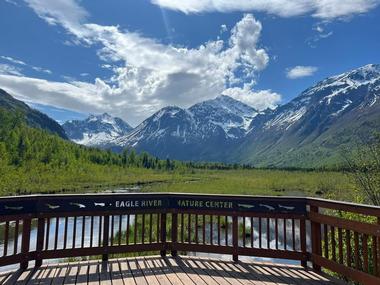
{"x":172,"y":271}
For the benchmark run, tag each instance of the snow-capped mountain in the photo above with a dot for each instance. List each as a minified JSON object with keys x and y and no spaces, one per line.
{"x":96,"y":130}
{"x":333,"y":97}
{"x":193,"y":133}
{"x":315,"y":124}
{"x":307,"y":131}
{"x":233,"y":116}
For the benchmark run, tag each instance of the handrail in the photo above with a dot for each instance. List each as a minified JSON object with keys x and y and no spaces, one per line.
{"x":39,"y":227}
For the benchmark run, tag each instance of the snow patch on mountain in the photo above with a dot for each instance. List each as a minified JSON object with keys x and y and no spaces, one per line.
{"x":286,"y":119}
{"x":96,"y":130}
{"x":212,"y":118}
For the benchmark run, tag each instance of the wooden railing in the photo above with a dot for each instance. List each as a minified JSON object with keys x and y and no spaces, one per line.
{"x":328,"y":234}
{"x":346,"y":239}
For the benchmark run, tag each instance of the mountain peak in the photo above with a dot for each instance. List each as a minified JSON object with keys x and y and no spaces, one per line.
{"x":224,"y":100}
{"x":366,"y":72}
{"x":97,"y":129}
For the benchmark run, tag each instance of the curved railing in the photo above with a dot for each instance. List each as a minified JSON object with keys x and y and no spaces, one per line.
{"x":303,"y":229}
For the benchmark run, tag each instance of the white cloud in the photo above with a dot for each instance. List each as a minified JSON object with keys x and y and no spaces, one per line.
{"x":24,"y":64}
{"x":320,"y":34}
{"x":223,"y":28}
{"x":147,"y":74}
{"x":9,"y":69}
{"x":260,"y":100}
{"x":63,"y":12}
{"x":12,"y":2}
{"x":40,"y":69}
{"x":13,"y":60}
{"x":323,"y":9}
{"x":300,"y":71}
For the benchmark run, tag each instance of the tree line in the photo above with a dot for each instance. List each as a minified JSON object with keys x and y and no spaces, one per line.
{"x":21,"y":145}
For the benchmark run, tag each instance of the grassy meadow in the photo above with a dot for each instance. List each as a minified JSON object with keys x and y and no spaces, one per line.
{"x":242,"y":181}
{"x":261,"y":182}
{"x":35,"y":161}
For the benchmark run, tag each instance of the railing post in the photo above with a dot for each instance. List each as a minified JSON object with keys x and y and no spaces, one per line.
{"x":378,"y":250}
{"x":106,"y":227}
{"x":316,"y":238}
{"x":40,"y":241}
{"x":303,"y":241}
{"x":174,"y":233}
{"x":235,"y":237}
{"x":163,"y":234}
{"x":26,"y":226}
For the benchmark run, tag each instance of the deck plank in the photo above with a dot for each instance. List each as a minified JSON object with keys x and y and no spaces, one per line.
{"x":165,"y":270}
{"x":93,"y":273}
{"x":189,"y":272}
{"x":148,"y":272}
{"x":105,"y":274}
{"x":60,"y":274}
{"x":174,"y":267}
{"x":126,"y":273}
{"x":235,"y":273}
{"x":71,"y":274}
{"x":155,"y":270}
{"x":138,"y":276}
{"x":272,"y":275}
{"x":204,"y":274}
{"x":48,"y":275}
{"x":169,"y":273}
{"x":117,"y":278}
{"x":253,"y":277}
{"x":82,"y":274}
{"x":37,"y":276}
{"x":262,"y":276}
{"x":4,"y":276}
{"x":218,"y":270}
{"x":217,"y":276}
{"x":161,"y":278}
{"x":24,"y":277}
{"x":299,"y":278}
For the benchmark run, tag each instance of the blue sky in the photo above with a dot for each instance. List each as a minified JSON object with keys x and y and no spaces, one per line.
{"x":130,"y":58}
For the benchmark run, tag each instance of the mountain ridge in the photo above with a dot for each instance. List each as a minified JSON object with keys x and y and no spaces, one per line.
{"x":33,"y":117}
{"x":343,"y":100}
{"x":308,"y":131}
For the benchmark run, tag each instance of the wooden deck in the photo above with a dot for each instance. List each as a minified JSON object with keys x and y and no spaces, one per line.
{"x":155,"y":270}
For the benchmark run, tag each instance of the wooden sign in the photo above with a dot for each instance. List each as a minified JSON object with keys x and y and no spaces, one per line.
{"x":128,"y":202}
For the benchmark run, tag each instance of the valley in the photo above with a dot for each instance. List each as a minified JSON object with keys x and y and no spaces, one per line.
{"x":312,"y":130}
{"x":295,"y":149}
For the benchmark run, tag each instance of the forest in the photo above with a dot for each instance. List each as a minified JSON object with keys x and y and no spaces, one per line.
{"x":31,"y":156}
{"x":35,"y":161}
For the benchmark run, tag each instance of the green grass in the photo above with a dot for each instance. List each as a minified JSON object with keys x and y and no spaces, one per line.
{"x":93,"y":178}
{"x":88,"y":178}
{"x":262,"y":182}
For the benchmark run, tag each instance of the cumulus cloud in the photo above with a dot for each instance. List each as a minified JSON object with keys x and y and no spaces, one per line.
{"x":261,"y":99}
{"x":300,"y":71}
{"x":147,"y":74}
{"x":322,"y":9}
